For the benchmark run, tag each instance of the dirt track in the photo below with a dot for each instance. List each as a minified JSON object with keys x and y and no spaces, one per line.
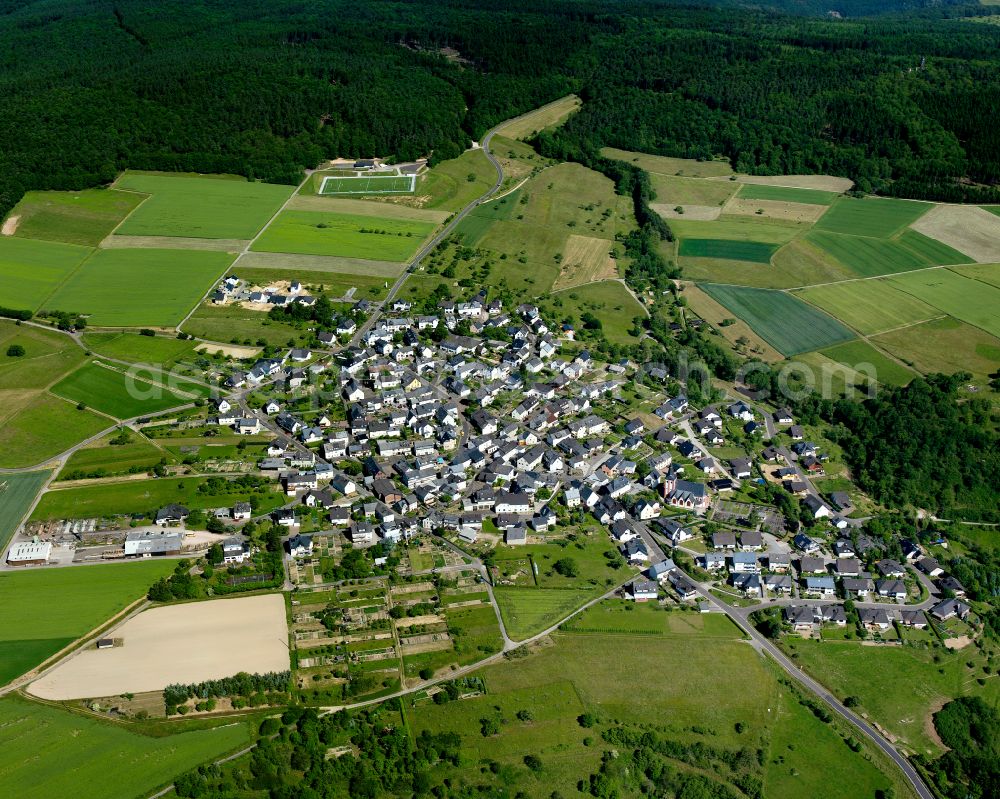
{"x":177,"y":644}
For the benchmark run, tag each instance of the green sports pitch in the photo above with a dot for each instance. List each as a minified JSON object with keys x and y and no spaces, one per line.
{"x":369,"y":184}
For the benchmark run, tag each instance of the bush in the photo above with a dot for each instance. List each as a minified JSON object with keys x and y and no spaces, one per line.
{"x":533,"y":762}
{"x":15,"y":351}
{"x":426,"y":673}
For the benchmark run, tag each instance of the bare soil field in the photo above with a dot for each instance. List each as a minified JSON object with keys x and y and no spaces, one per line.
{"x":699,"y":213}
{"x":773,"y":209}
{"x":966,"y":228}
{"x":177,"y":644}
{"x":585,"y":260}
{"x":319,"y":263}
{"x":10,"y":225}
{"x":347,"y":205}
{"x":821,"y":182}
{"x":172,"y":243}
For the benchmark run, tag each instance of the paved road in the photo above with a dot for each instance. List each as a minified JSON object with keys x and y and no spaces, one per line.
{"x":762,"y":644}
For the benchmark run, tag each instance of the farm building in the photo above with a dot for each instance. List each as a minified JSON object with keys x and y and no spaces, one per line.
{"x":146,"y":544}
{"x":29,"y":553}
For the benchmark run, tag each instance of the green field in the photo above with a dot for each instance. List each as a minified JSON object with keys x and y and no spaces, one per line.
{"x":73,"y":217}
{"x":751,"y":191}
{"x":347,"y":235}
{"x":944,"y":345}
{"x":448,"y":186}
{"x":623,"y":616}
{"x":609,"y":301}
{"x":200,"y":207}
{"x":230,"y":324}
{"x":115,"y":393}
{"x":142,"y":496}
{"x":964,"y":298}
{"x":899,"y":687}
{"x":670,"y":166}
{"x":17,"y":491}
{"x":159,"y":350}
{"x":728,"y":249}
{"x":112,"y":459}
{"x":42,"y":611}
{"x":871,"y":216}
{"x":334,"y":285}
{"x":739,"y":228}
{"x":47,"y":356}
{"x":30,"y":270}
{"x":50,"y":752}
{"x":856,"y":353}
{"x":987,"y":273}
{"x":527,"y":611}
{"x":870,"y":257}
{"x":43,"y":428}
{"x":132,"y":288}
{"x":785,"y":322}
{"x":672,"y":191}
{"x":367,"y":184}
{"x":869,"y":306}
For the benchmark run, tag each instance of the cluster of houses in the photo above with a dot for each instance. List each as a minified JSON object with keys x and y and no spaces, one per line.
{"x":233,"y":289}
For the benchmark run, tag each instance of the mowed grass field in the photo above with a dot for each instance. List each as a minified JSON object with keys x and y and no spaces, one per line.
{"x":448,"y":187}
{"x":788,"y":324}
{"x":50,"y":752}
{"x":964,"y":298}
{"x":221,"y":207}
{"x":230,"y":324}
{"x":43,"y":610}
{"x":73,"y":217}
{"x":115,"y":393}
{"x":43,"y":427}
{"x":30,"y":270}
{"x":48,"y":355}
{"x":17,"y":491}
{"x":549,"y":115}
{"x":141,"y":496}
{"x":869,"y":306}
{"x":871,"y":216}
{"x":728,"y":249}
{"x":751,"y":191}
{"x":863,"y":357}
{"x":160,"y":350}
{"x":366,"y":184}
{"x":348,"y":235}
{"x":133,"y":288}
{"x":113,"y":459}
{"x":870,"y":257}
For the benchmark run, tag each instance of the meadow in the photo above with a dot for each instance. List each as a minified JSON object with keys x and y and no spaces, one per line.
{"x":608,"y":300}
{"x":528,"y":611}
{"x":115,"y":393}
{"x":870,"y":257}
{"x":751,"y":191}
{"x":785,"y":322}
{"x":47,"y":356}
{"x":869,"y":306}
{"x":110,"y":459}
{"x":634,"y":618}
{"x":941,"y":345}
{"x":347,"y":235}
{"x":670,"y":166}
{"x":899,"y":687}
{"x":672,"y":190}
{"x":232,"y":324}
{"x":727,"y":249}
{"x":133,"y":288}
{"x":986,"y":273}
{"x":143,"y":496}
{"x":871,"y":216}
{"x":43,"y":428}
{"x":30,"y":270}
{"x":856,"y":353}
{"x":66,"y":603}
{"x":448,"y":186}
{"x":17,"y":492}
{"x":739,"y":228}
{"x":73,"y":217}
{"x":966,"y":299}
{"x":548,"y":116}
{"x":161,"y":350}
{"x":220,"y":207}
{"x":51,"y":752}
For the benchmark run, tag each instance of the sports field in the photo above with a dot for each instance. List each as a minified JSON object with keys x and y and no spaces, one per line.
{"x":348,"y":235}
{"x":368,"y":184}
{"x":116,"y":393}
{"x":50,"y":752}
{"x":64,"y":604}
{"x":785,"y":322}
{"x":970,"y":300}
{"x":143,"y":496}
{"x":17,"y":491}
{"x":750,"y":191}
{"x":728,"y":249}
{"x":870,"y":257}
{"x":223,"y":207}
{"x":42,"y":427}
{"x":869,"y":306}
{"x":30,"y":270}
{"x":871,"y":216}
{"x":73,"y":217}
{"x":132,"y":288}
{"x":161,"y":350}
{"x":863,"y":357}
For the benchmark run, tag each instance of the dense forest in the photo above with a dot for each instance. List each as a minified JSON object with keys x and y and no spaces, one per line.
{"x":264,"y":88}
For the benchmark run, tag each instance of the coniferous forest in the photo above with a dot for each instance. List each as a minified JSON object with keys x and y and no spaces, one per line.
{"x":264,"y":88}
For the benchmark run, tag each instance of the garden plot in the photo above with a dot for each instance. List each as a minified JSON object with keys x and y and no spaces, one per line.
{"x":186,"y":643}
